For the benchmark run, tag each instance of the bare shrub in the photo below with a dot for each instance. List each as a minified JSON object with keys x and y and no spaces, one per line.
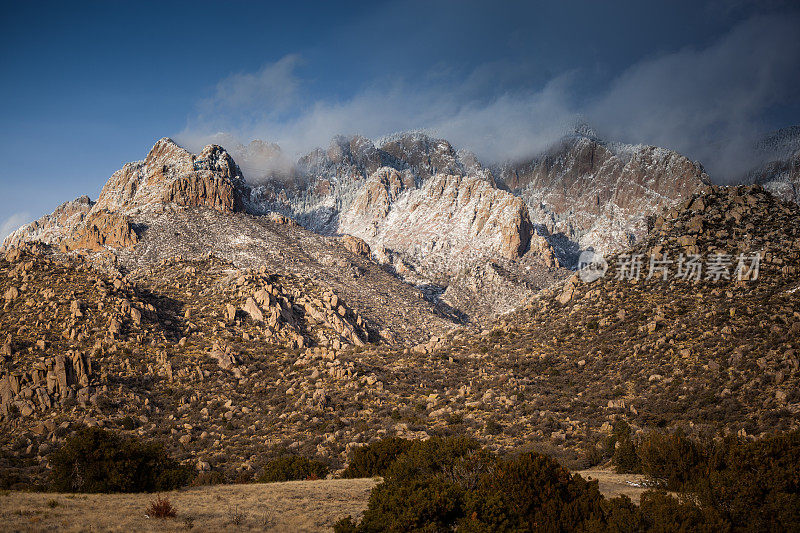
{"x":161,"y":507}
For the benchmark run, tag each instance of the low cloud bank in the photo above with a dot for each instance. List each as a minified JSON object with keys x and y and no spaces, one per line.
{"x":708,"y":103}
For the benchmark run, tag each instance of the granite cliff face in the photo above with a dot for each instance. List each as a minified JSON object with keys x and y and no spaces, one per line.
{"x":582,"y":193}
{"x":442,"y":224}
{"x":322,"y":184}
{"x":99,"y":230}
{"x":168,"y":175}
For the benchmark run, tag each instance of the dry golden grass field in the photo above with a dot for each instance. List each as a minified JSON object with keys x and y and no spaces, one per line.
{"x":289,"y":506}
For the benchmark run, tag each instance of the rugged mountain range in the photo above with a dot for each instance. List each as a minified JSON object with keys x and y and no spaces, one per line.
{"x":230,"y":366}
{"x":429,"y":215}
{"x":581,"y":193}
{"x":322,"y":307}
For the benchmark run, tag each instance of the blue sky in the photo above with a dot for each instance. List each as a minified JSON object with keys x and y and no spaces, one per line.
{"x":88,"y":86}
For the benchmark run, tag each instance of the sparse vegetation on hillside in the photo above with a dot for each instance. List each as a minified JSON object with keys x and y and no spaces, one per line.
{"x":586,"y":372}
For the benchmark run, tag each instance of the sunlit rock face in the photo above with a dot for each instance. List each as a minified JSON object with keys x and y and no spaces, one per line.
{"x":172,"y":175}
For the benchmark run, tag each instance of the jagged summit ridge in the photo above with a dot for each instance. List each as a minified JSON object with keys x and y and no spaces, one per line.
{"x":444,"y":223}
{"x":168,"y":175}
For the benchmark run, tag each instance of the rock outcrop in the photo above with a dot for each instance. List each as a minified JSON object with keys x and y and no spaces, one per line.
{"x":443,"y":224}
{"x":52,"y":381}
{"x":355,"y":245}
{"x":100,"y":230}
{"x":169,"y":175}
{"x":52,"y":228}
{"x":172,"y":175}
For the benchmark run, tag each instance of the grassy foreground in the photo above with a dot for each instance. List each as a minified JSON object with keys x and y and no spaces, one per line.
{"x":288,"y":506}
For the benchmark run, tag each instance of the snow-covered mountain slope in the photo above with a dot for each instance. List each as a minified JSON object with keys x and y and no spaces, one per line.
{"x":396,"y":310}
{"x":780,"y":173}
{"x":428,"y":212}
{"x":322,"y":184}
{"x":598,"y":194}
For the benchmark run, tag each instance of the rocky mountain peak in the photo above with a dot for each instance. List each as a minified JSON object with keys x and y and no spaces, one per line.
{"x":169,"y":175}
{"x":425,"y":155}
{"x":596,"y":193}
{"x":172,"y":175}
{"x":167,"y":152}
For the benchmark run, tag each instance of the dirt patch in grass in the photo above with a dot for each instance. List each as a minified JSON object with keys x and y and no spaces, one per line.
{"x":612,"y":484}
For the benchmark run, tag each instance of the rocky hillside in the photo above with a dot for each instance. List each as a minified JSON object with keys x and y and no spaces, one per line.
{"x":399,"y":311}
{"x":84,"y":347}
{"x":717,"y":353}
{"x":230,"y":366}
